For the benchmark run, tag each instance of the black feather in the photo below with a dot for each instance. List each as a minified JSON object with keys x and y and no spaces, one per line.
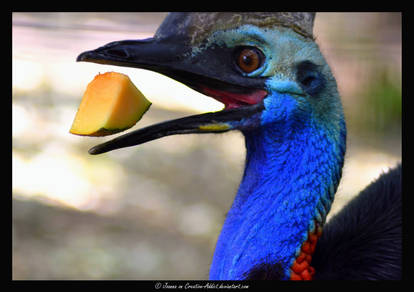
{"x":266,"y":271}
{"x":364,"y":240}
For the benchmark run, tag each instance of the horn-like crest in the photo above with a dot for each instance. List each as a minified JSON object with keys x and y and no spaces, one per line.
{"x":196,"y":26}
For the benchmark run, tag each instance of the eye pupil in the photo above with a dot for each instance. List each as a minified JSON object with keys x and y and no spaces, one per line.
{"x":248,"y":60}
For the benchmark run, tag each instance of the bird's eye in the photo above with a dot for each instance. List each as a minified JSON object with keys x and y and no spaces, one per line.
{"x":248,"y":59}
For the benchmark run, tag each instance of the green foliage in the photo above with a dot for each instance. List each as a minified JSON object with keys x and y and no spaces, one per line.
{"x":380,"y":108}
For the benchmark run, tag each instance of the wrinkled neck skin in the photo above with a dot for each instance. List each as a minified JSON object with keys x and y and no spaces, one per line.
{"x":290,"y":178}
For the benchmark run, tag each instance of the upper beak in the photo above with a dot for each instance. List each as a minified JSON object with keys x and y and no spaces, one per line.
{"x":148,"y":53}
{"x":173,"y":58}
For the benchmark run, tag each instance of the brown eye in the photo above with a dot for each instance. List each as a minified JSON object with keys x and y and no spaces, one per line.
{"x":249,"y":59}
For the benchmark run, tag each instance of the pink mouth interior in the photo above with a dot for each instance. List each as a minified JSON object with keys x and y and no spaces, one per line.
{"x":234,"y":100}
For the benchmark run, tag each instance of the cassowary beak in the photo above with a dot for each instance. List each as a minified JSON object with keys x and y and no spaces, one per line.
{"x":173,"y":58}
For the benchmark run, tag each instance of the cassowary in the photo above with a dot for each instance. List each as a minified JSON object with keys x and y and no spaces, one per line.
{"x":279,"y":91}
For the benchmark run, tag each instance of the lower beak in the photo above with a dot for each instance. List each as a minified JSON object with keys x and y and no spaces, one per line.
{"x":170,"y":58}
{"x":216,"y":122}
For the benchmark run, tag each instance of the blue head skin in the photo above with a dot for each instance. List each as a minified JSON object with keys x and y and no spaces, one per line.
{"x":295,"y":151}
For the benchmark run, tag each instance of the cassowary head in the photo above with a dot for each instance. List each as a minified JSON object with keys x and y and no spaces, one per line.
{"x":264,"y":67}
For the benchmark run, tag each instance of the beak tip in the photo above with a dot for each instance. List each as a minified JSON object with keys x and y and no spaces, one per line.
{"x":104,"y":147}
{"x":94,"y":151}
{"x":82,"y":57}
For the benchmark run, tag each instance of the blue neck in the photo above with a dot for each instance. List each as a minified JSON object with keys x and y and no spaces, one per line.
{"x":289,"y":182}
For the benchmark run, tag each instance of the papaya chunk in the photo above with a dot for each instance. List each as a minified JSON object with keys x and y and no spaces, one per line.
{"x":110,"y":104}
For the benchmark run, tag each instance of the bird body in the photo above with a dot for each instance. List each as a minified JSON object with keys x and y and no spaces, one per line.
{"x":279,"y":91}
{"x":364,"y":240}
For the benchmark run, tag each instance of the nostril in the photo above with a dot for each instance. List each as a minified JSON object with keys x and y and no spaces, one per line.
{"x":117,"y":53}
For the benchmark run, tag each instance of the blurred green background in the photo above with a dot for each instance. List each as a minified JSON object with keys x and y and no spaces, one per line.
{"x":155,"y":211}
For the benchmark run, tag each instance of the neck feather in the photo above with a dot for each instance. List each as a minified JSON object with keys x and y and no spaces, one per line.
{"x":288,"y":185}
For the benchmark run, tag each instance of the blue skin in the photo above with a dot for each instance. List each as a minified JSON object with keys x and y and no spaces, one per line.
{"x":295,"y":152}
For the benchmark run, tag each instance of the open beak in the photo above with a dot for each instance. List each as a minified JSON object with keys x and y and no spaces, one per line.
{"x":205,"y":73}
